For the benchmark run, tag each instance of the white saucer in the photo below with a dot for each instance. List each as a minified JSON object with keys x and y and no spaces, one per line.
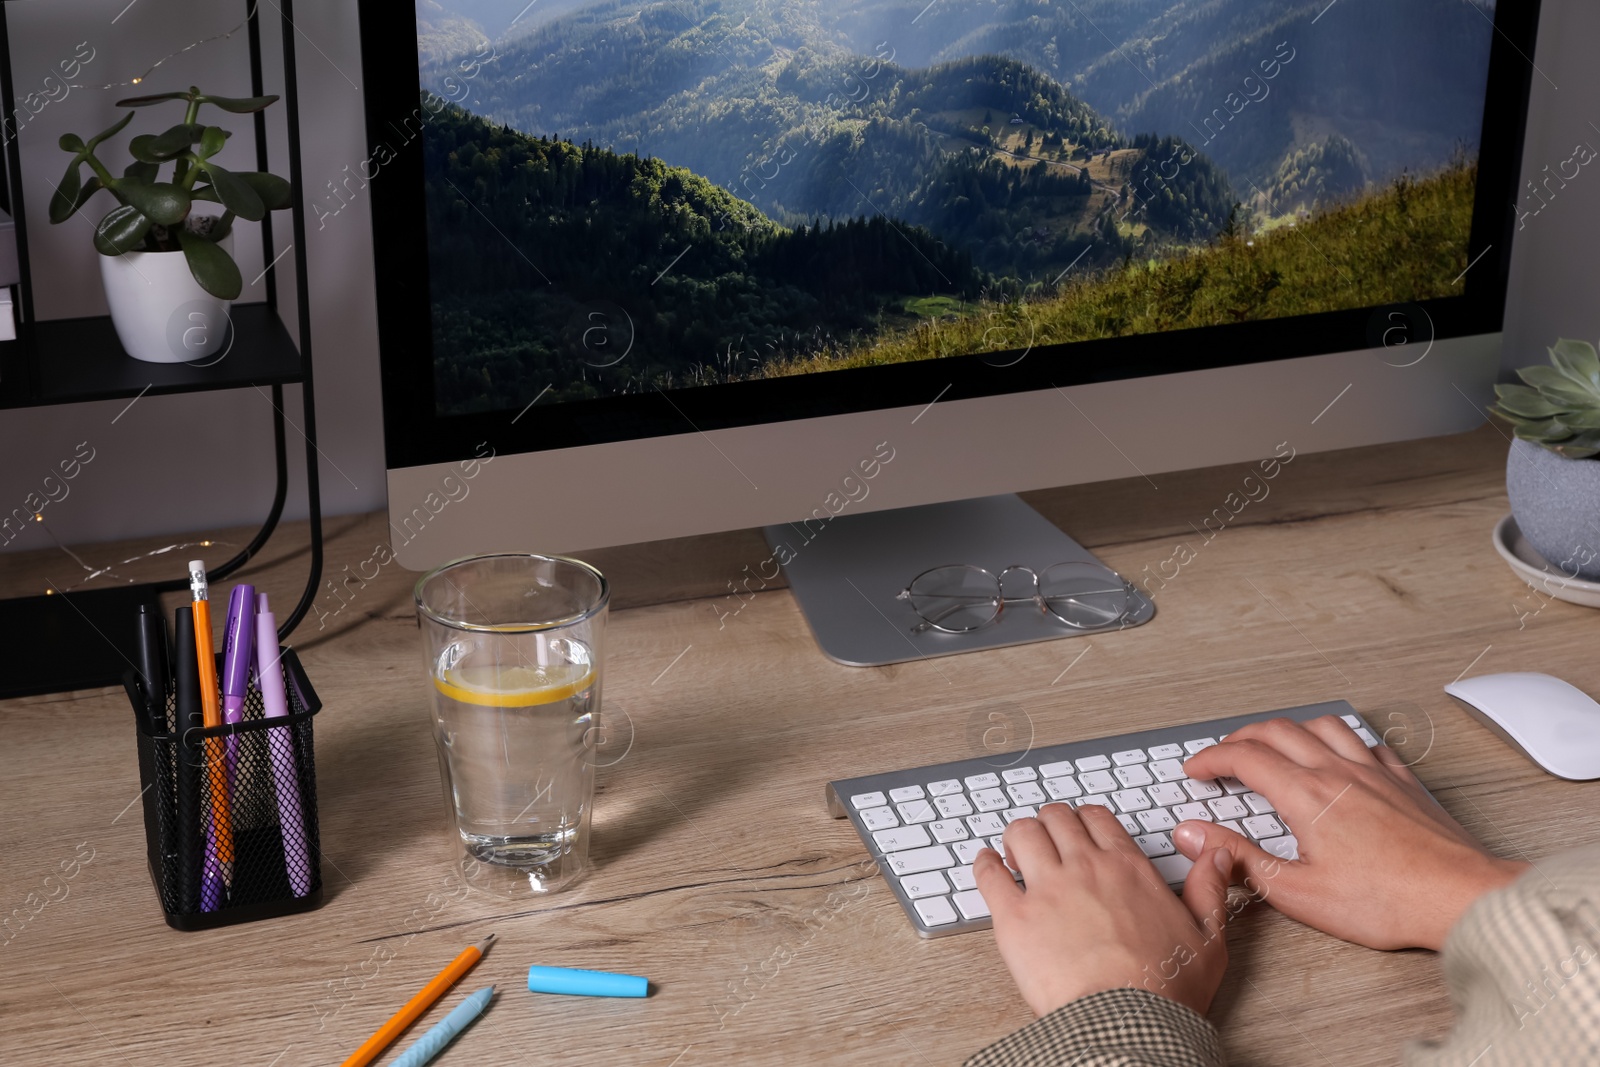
{"x":1532,"y":568}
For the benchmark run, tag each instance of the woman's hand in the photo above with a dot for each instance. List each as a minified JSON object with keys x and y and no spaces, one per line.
{"x":1095,"y":914}
{"x":1380,"y":862}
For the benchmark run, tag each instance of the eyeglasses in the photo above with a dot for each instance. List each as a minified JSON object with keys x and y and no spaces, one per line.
{"x":959,"y":598}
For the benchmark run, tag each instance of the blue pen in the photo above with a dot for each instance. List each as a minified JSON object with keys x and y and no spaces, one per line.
{"x":574,"y":982}
{"x":433,"y":1042}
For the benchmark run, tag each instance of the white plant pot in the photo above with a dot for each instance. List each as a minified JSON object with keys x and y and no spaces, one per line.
{"x":160,"y":312}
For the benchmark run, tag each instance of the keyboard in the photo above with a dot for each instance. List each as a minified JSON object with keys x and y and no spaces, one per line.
{"x":925,"y":826}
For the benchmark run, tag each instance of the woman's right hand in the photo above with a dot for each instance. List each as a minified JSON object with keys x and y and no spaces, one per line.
{"x":1380,"y":862}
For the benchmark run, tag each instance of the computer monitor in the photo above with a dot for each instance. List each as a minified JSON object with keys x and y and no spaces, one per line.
{"x":653,"y":269}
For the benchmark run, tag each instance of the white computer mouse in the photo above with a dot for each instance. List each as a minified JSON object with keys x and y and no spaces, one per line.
{"x":1555,"y":724}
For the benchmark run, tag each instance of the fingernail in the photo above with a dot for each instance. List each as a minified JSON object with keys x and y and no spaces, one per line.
{"x":1224,"y":860}
{"x":1189,"y":838}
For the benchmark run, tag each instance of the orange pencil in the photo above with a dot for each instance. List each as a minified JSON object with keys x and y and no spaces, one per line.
{"x":418,"y":1004}
{"x":211,"y":715}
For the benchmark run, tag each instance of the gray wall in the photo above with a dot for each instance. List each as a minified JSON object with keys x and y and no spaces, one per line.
{"x":147,"y":453}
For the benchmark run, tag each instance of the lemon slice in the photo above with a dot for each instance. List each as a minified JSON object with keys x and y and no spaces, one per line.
{"x":494,"y":686}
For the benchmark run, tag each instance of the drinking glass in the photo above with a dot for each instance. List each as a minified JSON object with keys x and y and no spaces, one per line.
{"x":514,"y":647}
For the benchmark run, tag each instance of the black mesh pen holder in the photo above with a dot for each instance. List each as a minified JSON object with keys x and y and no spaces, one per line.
{"x":230,"y":812}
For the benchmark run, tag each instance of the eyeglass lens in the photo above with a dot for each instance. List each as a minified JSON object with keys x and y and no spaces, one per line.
{"x":956,"y":598}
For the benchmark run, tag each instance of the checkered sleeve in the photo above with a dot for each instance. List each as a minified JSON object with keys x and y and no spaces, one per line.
{"x":1117,"y":1028}
{"x":1523,"y":972}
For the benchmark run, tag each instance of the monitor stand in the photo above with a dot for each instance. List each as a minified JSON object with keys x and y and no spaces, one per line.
{"x":846,"y":572}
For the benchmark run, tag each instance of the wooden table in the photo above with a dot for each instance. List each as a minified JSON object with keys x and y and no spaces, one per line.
{"x":1365,"y":574}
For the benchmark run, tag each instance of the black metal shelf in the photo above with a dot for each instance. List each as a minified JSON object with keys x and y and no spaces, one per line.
{"x":79,"y":639}
{"x":77,"y":360}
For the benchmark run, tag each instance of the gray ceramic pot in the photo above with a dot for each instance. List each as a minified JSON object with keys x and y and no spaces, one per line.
{"x":1556,"y":502}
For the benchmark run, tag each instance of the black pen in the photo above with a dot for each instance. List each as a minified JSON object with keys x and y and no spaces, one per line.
{"x":151,"y":649}
{"x":186,"y":691}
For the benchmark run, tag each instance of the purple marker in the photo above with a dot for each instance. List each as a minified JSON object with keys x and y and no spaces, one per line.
{"x":280,"y":747}
{"x":238,"y":638}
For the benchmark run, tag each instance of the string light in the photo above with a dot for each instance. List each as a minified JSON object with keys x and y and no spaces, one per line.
{"x":92,"y":572}
{"x":139,"y":79}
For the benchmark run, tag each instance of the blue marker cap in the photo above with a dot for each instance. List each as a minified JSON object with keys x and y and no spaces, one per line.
{"x":585,"y":983}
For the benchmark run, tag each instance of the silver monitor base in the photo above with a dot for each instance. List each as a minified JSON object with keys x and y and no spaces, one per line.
{"x":846,"y":571}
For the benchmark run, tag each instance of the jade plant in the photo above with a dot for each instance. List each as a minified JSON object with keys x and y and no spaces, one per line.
{"x":1559,"y":407}
{"x":153,"y":215}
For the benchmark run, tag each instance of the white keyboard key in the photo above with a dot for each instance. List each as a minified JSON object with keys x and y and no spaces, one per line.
{"x":1056,"y":770}
{"x":902,"y":838}
{"x":1026,"y":793}
{"x":917,"y":811}
{"x":1027,"y":811}
{"x":1154,"y":845}
{"x":990,"y":799}
{"x":1098,"y":798}
{"x":1173,"y":868}
{"x":1351,"y":721}
{"x":1132,"y":800}
{"x":1260,"y":826}
{"x":962,"y":877}
{"x":971,"y":904}
{"x":878,"y":818}
{"x":983,"y":781}
{"x":944,"y":788}
{"x":1019,"y":774}
{"x":1064,"y":788}
{"x":1130,"y":824}
{"x":1166,"y":752}
{"x":931,"y":884}
{"x":1136,"y":774}
{"x":917,"y":860}
{"x":1233,"y":824}
{"x":1157,"y":819}
{"x":1202,"y":788}
{"x":935,"y":911}
{"x":1259,"y":804}
{"x":986,"y":824}
{"x":967,"y":851}
{"x":998,"y":843}
{"x":947,"y":830}
{"x":1094,"y":763}
{"x":1228,"y":808}
{"x":953,"y":805}
{"x":1285,"y":848}
{"x":906,"y":792}
{"x":1184,"y":812}
{"x":1128,"y":756}
{"x":1168,"y":770}
{"x":1097,"y":782}
{"x":1366,"y":737}
{"x":1232,"y":786}
{"x":868,"y":800}
{"x":1168,"y":793}
{"x":1198,"y":744}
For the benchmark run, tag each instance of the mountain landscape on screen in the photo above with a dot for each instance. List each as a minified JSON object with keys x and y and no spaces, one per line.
{"x":627,"y":196}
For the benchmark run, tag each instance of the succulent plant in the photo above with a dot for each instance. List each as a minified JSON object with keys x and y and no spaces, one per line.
{"x":153,"y":215}
{"x":1559,"y":407}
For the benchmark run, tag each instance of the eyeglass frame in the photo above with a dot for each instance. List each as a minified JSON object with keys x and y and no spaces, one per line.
{"x":1130,"y":593}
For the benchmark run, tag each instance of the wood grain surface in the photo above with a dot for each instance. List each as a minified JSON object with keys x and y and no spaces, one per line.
{"x":1365,"y":574}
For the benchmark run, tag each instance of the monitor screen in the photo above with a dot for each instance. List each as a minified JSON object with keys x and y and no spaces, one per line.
{"x":631,"y":218}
